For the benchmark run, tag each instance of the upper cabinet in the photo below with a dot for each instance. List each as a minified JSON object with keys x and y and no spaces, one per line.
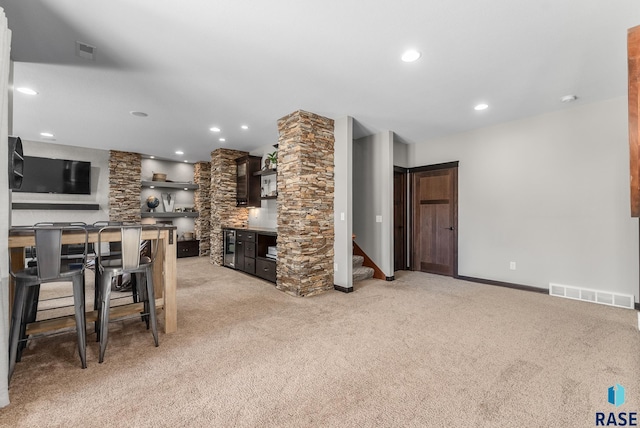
{"x":248,"y":185}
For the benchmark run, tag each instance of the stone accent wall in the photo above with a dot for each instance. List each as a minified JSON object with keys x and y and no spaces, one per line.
{"x":224,"y":212}
{"x":305,"y":204}
{"x":202,"y":202}
{"x":124,"y":186}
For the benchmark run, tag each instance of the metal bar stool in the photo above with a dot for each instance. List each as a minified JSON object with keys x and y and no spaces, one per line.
{"x":49,"y":268}
{"x":129,"y":262}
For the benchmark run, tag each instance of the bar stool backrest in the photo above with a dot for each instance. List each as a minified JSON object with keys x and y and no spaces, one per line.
{"x":49,"y":249}
{"x":131,"y":247}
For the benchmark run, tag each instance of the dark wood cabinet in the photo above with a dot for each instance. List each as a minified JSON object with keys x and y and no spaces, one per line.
{"x":251,"y":251}
{"x":247,"y":184}
{"x":188,"y":248}
{"x":266,"y":269}
{"x":245,"y":251}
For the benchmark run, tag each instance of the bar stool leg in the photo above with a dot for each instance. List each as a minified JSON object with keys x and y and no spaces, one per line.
{"x":151,"y":299}
{"x":32,"y":294}
{"x":81,"y":324}
{"x":103,"y":313}
{"x":16,"y":324}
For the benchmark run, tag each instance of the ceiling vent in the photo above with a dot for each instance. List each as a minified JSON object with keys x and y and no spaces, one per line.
{"x":85,"y":51}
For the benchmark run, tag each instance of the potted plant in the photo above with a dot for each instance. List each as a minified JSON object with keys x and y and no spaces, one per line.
{"x":273,"y":159}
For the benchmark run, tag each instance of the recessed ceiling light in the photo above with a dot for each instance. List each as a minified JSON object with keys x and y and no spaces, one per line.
{"x":152,"y":157}
{"x":186,"y":161}
{"x":411,"y":55}
{"x":27,"y":91}
{"x":179,"y":152}
{"x":152,"y":187}
{"x":139,"y":113}
{"x":222,"y":140}
{"x":481,"y":107}
{"x":46,"y":134}
{"x":214,"y":129}
{"x":244,"y":127}
{"x":568,"y":98}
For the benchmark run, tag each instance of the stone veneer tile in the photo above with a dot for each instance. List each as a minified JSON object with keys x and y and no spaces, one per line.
{"x":305,"y":204}
{"x":124,"y":186}
{"x":224,"y":212}
{"x":202,"y":202}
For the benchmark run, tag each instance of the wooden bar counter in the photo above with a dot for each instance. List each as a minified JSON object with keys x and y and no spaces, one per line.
{"x":164,"y":272}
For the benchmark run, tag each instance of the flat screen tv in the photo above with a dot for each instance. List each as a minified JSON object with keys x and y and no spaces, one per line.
{"x":44,"y":175}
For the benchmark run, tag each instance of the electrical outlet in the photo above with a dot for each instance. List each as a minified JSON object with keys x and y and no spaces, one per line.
{"x":335,"y":267}
{"x":512,"y":265}
{"x":342,"y":216}
{"x":378,"y":219}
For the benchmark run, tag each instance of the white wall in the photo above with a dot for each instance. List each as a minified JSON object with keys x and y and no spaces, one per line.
{"x":342,"y":203}
{"x":99,"y":186}
{"x":176,"y":171}
{"x":373,"y":197}
{"x":5,"y":203}
{"x":400,"y":154}
{"x":549,"y":192}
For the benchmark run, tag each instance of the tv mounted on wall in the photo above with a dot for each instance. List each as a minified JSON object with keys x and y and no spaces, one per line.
{"x":44,"y":175}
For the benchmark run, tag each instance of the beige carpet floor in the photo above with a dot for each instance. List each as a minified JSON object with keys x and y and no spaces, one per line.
{"x":422,"y":351}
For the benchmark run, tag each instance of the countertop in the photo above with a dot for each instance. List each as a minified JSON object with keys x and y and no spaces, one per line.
{"x":262,"y":230}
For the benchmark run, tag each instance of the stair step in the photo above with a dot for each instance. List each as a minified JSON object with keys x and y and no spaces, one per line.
{"x":357,"y":261}
{"x":361,"y":273}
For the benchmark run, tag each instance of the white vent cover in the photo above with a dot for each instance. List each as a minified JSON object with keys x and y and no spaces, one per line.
{"x":85,"y":51}
{"x":594,"y":296}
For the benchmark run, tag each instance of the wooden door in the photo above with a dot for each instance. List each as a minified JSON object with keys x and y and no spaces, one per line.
{"x":434,"y":220}
{"x":399,"y":219}
{"x":633,"y":52}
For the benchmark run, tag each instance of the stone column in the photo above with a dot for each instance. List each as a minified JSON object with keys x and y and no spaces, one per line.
{"x":305,"y":204}
{"x":124,"y":186}
{"x":202,"y":202}
{"x":224,"y":212}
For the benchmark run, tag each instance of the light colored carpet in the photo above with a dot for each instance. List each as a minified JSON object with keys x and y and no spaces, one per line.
{"x":423,"y":351}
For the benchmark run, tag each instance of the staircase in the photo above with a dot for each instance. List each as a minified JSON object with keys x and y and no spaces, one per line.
{"x":361,"y":272}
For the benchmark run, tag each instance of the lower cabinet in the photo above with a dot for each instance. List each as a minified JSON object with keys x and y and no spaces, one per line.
{"x":251,"y":251}
{"x":188,"y":248}
{"x":266,"y":269}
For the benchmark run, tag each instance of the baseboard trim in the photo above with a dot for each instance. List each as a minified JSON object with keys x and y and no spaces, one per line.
{"x":391,"y":278}
{"x":504,"y":284}
{"x":343,"y":289}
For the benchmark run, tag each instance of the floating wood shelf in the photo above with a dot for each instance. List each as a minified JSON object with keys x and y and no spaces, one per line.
{"x":169,"y":215}
{"x":53,"y":206}
{"x":170,"y":185}
{"x":266,"y":172}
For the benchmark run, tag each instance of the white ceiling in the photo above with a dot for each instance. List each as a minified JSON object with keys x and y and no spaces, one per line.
{"x":195,"y":64}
